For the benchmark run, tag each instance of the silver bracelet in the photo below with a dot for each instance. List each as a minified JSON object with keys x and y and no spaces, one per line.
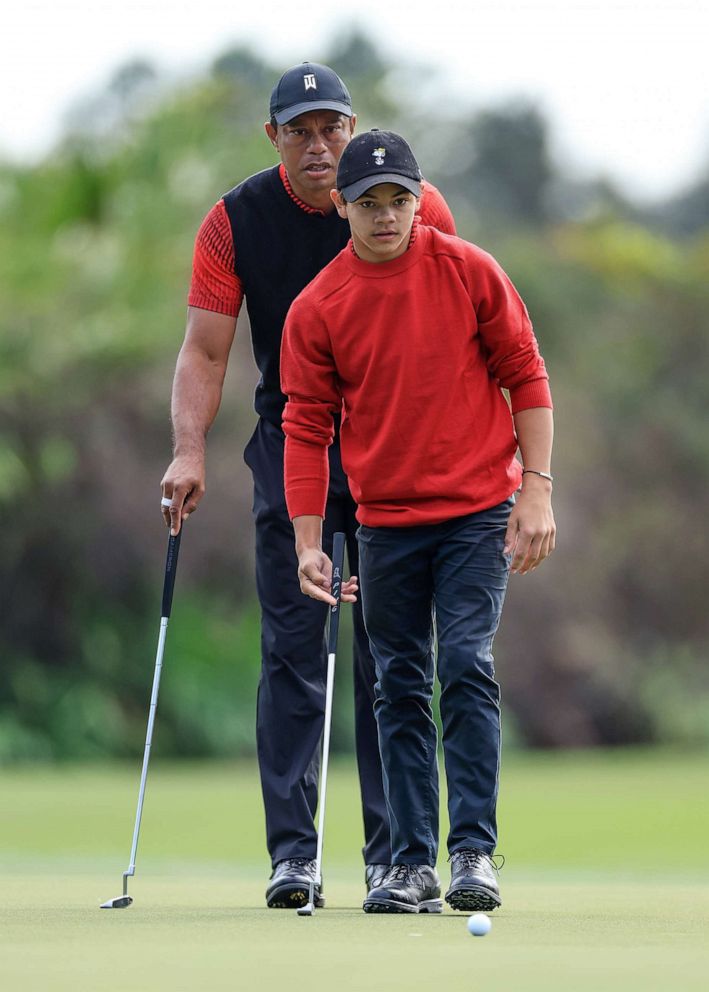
{"x":544,"y":475}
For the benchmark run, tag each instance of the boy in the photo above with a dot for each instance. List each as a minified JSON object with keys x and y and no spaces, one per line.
{"x":412,"y":335}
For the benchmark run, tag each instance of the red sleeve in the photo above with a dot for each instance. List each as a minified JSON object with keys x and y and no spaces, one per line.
{"x":511,"y":350}
{"x":434,"y":211}
{"x":309,"y":380}
{"x":215,"y":284}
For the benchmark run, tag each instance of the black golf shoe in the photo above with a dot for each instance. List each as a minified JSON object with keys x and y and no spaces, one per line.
{"x":290,"y":884}
{"x":474,"y":885}
{"x":374,"y":875}
{"x":406,"y":889}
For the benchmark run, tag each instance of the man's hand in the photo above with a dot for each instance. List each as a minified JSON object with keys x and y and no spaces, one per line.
{"x":183,"y":484}
{"x":315,"y":574}
{"x":531,"y":531}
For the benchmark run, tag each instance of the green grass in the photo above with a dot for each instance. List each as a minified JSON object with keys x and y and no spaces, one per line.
{"x":606,"y":885}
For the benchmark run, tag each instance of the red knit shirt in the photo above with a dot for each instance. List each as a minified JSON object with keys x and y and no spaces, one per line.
{"x":415,"y":352}
{"x":215,"y":283}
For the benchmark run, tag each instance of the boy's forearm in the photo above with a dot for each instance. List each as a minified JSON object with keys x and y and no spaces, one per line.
{"x":308,"y":533}
{"x":535,"y":436}
{"x":306,"y":467}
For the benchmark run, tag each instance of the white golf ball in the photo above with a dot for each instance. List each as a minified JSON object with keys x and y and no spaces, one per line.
{"x":479,"y":924}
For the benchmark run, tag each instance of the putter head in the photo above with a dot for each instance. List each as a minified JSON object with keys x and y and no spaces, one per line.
{"x":120,"y":902}
{"x":309,"y":908}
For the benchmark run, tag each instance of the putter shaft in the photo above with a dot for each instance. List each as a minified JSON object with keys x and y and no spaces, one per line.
{"x":173,"y":547}
{"x":338,"y":554}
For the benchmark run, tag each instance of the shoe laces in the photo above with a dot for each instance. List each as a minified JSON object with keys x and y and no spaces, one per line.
{"x":289,"y":863}
{"x":470,"y":858}
{"x":403,"y":873}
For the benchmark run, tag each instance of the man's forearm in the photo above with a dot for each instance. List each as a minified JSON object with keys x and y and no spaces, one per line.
{"x":196,"y":395}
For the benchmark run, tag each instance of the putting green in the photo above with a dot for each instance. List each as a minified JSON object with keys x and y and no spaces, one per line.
{"x":606,"y":885}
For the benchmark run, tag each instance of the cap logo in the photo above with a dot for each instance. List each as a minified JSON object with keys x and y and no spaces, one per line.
{"x":310,"y":82}
{"x":378,"y":155}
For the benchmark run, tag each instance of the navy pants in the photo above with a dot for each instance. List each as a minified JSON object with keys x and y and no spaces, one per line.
{"x":453,"y":573}
{"x":291,"y":694}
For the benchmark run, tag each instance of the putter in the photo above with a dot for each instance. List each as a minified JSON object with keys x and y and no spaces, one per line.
{"x":173,"y":547}
{"x":338,"y":555}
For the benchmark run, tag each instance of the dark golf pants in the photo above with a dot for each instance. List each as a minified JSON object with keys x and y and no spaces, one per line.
{"x":455,"y":573}
{"x":291,"y":695}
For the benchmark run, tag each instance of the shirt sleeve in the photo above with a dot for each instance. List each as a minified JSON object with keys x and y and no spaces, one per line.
{"x":309,"y":380}
{"x":434,"y":211}
{"x":215,"y":284}
{"x":509,"y":343}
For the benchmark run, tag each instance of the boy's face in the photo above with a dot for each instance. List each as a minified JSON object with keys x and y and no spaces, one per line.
{"x":380,"y":221}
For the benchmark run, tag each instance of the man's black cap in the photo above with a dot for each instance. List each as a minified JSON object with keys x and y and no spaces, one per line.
{"x":309,"y":86}
{"x":377,"y":157}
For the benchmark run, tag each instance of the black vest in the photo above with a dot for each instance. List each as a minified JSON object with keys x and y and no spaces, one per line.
{"x":279,"y":248}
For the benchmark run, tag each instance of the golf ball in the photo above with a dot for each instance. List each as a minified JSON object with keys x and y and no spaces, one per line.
{"x":479,"y":924}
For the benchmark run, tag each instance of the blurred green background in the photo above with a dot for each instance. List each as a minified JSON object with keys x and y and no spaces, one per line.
{"x":604,"y":646}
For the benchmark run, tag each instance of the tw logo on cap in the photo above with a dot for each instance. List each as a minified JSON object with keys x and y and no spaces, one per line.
{"x":310,"y":81}
{"x":378,"y":155}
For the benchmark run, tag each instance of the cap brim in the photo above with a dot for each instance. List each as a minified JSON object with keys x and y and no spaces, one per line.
{"x":354,"y":191}
{"x":283,"y":116}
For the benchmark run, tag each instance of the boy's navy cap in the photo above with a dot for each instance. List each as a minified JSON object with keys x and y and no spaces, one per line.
{"x":377,"y":157}
{"x":309,"y":86}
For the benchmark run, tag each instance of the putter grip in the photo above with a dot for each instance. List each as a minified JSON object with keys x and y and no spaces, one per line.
{"x":338,"y":563}
{"x":173,"y":549}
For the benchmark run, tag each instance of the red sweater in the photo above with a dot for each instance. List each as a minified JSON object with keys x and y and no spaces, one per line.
{"x":415,"y":352}
{"x":215,"y":281}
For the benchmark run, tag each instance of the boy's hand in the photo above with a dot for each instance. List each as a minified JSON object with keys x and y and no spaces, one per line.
{"x":315,"y":575}
{"x":531,"y":531}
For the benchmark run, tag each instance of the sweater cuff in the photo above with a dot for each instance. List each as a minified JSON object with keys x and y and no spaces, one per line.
{"x":305,"y":501}
{"x":530,"y":395}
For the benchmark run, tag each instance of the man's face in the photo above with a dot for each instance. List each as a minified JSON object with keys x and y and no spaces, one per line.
{"x":380,"y":221}
{"x":310,"y":147}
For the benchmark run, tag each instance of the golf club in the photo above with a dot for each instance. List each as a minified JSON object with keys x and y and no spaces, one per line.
{"x":173,"y":547}
{"x":338,"y":556}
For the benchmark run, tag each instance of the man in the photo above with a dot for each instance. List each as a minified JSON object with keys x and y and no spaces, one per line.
{"x":413,"y":335}
{"x":264,"y":241}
